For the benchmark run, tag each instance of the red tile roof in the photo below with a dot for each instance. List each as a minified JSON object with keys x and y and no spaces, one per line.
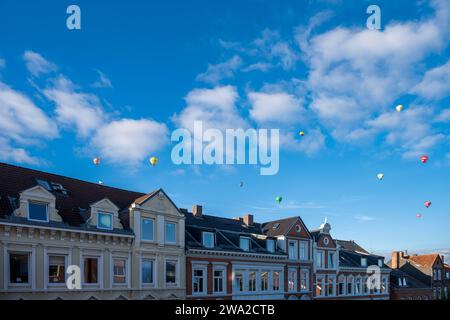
{"x":424,"y":260}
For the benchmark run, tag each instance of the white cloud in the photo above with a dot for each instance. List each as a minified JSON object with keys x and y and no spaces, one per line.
{"x":363,"y":218}
{"x":21,"y":123}
{"x":216,"y":108}
{"x":103,"y":81}
{"x":37,"y":64}
{"x":444,"y":116}
{"x":215,"y":73}
{"x":259,"y":66}
{"x":128,"y":141}
{"x":21,"y":119}
{"x":80,"y":110}
{"x":435,"y":84}
{"x":277,"y":107}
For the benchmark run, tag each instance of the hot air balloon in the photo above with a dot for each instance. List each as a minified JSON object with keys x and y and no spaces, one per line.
{"x":301,"y":133}
{"x":100,"y":182}
{"x":278,"y":199}
{"x":153,"y":161}
{"x":427,"y":204}
{"x":418,"y":216}
{"x":96,"y":161}
{"x":399,"y":108}
{"x":380,"y":176}
{"x":424,"y":159}
{"x":241,"y":184}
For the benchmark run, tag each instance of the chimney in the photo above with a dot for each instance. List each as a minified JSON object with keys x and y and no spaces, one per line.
{"x":197,"y":211}
{"x":248,"y":219}
{"x":395,"y":259}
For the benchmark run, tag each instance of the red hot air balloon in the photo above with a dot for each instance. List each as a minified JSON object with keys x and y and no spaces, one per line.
{"x":427,"y":204}
{"x":424,"y":159}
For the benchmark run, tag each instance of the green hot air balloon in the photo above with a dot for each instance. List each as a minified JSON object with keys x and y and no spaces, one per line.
{"x":278,"y":199}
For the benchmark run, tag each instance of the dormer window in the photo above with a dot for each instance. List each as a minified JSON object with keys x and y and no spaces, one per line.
{"x":104,"y":221}
{"x":363,"y":262}
{"x":270,"y":245}
{"x":380,"y":263}
{"x":208,"y":239}
{"x":244,"y":243}
{"x":38,"y":211}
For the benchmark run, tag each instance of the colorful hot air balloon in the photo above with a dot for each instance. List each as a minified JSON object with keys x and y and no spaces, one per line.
{"x":278,"y":199}
{"x":380,"y":176}
{"x":418,"y":216}
{"x":399,"y":108}
{"x":153,"y":161}
{"x":96,"y":161}
{"x":424,"y":159}
{"x":427,"y":204}
{"x":301,"y":133}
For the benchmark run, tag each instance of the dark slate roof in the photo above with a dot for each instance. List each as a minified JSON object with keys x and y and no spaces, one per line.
{"x":227,"y":234}
{"x":351,"y":245}
{"x":413,"y":272}
{"x":282,"y":226}
{"x":72,"y":206}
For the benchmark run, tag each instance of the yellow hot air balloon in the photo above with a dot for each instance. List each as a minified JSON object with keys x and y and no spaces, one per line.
{"x":399,"y":108}
{"x":153,"y":161}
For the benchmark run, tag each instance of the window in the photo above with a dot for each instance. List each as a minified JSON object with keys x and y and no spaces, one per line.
{"x":171,"y":232}
{"x":56,"y":269}
{"x":341,"y":286}
{"x":252,"y":281}
{"x":218,"y":280}
{"x":364,"y":262}
{"x":380,"y":263}
{"x":208,"y":239}
{"x":276,"y":281}
{"x":298,"y":228}
{"x":19,"y":267}
{"x":244,"y":243}
{"x":147,"y":271}
{"x":434,"y":275}
{"x":326,"y":241}
{"x":319,"y":259}
{"x":293,"y":249}
{"x":148,"y":231}
{"x":37,"y":211}
{"x":349,"y":286}
{"x":264,"y":281}
{"x":119,"y":271}
{"x":304,"y":280}
{"x":198,"y":281}
{"x":447,"y":274}
{"x":331,"y":281}
{"x":439,"y":274}
{"x":319,"y":287}
{"x":358,"y":286}
{"x":303,"y":250}
{"x":171,"y":272}
{"x":404,"y":282}
{"x":270,"y":243}
{"x":91,"y":270}
{"x":292,"y":280}
{"x":330,"y":260}
{"x":104,"y":221}
{"x":239,"y":281}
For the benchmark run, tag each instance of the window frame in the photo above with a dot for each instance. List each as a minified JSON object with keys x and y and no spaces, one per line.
{"x":29,"y":269}
{"x":98,"y":220}
{"x":305,"y":245}
{"x":152,"y":260}
{"x":165,"y":232}
{"x":204,"y":277}
{"x":295,"y":248}
{"x":56,"y":284}
{"x":205,"y":233}
{"x":294,"y":281}
{"x":306,"y":278}
{"x":331,"y":265}
{"x":125,"y":267}
{"x":84,"y":283}
{"x":272,"y":241}
{"x":41,"y":203}
{"x":224,"y":278}
{"x":170,"y":284}
{"x":241,"y":238}
{"x":142,"y":229}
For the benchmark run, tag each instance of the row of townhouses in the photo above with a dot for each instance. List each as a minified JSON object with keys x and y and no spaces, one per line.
{"x":129,"y":245}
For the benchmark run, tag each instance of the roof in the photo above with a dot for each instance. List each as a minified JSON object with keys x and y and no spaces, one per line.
{"x":352,"y":259}
{"x":72,"y":205}
{"x":412,"y":281}
{"x":409,"y":269}
{"x":351,"y":246}
{"x":227,"y":234}
{"x":279,"y":227}
{"x":424,"y":260}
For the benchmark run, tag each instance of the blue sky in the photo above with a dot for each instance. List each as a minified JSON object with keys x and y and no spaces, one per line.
{"x":137,"y":70}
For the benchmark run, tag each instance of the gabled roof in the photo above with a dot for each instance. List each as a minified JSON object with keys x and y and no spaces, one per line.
{"x":413,"y":272}
{"x":424,"y":260}
{"x":72,"y":205}
{"x":412,"y":281}
{"x":281,"y":227}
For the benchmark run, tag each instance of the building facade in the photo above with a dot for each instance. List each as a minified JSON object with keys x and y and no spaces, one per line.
{"x":52,"y":227}
{"x":344,"y":270}
{"x":238,"y":259}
